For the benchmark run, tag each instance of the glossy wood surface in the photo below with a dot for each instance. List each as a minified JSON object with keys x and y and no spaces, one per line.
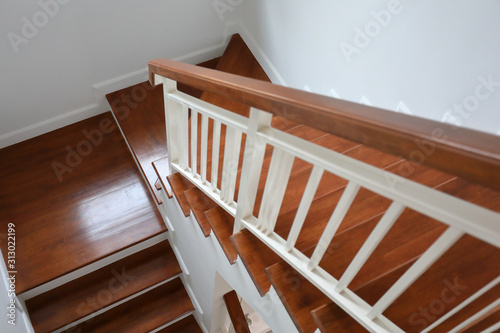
{"x":256,"y":257}
{"x":100,"y":206}
{"x":222,"y":224}
{"x":144,"y":313}
{"x":466,"y":153}
{"x":139,"y":110}
{"x":101,"y":288}
{"x":161,"y":167}
{"x":186,"y":325}
{"x":179,"y":185}
{"x":199,"y":204}
{"x":332,"y":319}
{"x":236,"y":313}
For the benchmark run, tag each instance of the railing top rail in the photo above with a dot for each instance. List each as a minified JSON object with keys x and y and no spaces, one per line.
{"x":469,"y":154}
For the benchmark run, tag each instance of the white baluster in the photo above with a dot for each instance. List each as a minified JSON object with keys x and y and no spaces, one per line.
{"x":215,"y":154}
{"x":305,"y":204}
{"x":433,"y":253}
{"x":462,"y":305}
{"x":475,"y":317}
{"x":230,"y":166}
{"x":204,"y":148}
{"x":274,"y":191}
{"x":252,"y":166}
{"x":333,"y":224}
{"x":376,"y":236}
{"x":194,"y":142}
{"x":183,"y":135}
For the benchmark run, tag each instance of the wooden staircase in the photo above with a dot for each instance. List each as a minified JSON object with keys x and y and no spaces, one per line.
{"x":92,"y":248}
{"x":412,"y":234}
{"x":142,"y":290}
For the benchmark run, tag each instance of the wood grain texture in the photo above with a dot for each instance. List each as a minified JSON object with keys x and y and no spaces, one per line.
{"x":475,"y":155}
{"x":199,"y":203}
{"x":99,"y":205}
{"x":222,"y":224}
{"x":179,"y":185}
{"x":298,"y":295}
{"x":101,"y":288}
{"x":256,"y":257}
{"x":161,"y":168}
{"x":186,"y":325}
{"x":139,"y":110}
{"x":140,"y":114}
{"x":143,"y":313}
{"x":330,"y":318}
{"x":236,"y":313}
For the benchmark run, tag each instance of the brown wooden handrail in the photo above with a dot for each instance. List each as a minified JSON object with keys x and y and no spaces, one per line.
{"x":466,"y":153}
{"x":236,"y":312}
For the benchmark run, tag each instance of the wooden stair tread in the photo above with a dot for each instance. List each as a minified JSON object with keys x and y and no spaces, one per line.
{"x":487,"y":321}
{"x":101,"y":207}
{"x":143,"y":313}
{"x":469,"y":311}
{"x":99,"y":289}
{"x":186,"y":325}
{"x":199,"y":202}
{"x":180,"y":185}
{"x":221,"y":222}
{"x":256,"y":257}
{"x":137,"y":108}
{"x":161,"y":168}
{"x":460,"y":271}
{"x":298,"y":295}
{"x":330,"y":318}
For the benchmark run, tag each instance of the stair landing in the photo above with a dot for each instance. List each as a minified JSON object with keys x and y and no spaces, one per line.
{"x":75,"y":196}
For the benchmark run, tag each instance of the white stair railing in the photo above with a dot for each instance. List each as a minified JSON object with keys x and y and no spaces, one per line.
{"x":462,"y":217}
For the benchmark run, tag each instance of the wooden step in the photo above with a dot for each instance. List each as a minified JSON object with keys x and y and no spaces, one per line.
{"x":180,"y":185}
{"x":332,"y":319}
{"x":144,"y":313}
{"x":256,"y":257}
{"x":199,"y":203}
{"x":139,"y":110}
{"x":327,"y":196}
{"x":161,"y":168}
{"x":99,"y":289}
{"x":221,"y":222}
{"x":97,"y":206}
{"x":186,"y":325}
{"x":298,"y":295}
{"x":469,"y":311}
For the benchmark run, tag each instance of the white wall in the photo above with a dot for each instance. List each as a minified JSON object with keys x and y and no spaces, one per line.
{"x":428,"y":54}
{"x":47,"y":82}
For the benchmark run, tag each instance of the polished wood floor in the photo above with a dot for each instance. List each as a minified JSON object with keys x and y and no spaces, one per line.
{"x":75,"y":196}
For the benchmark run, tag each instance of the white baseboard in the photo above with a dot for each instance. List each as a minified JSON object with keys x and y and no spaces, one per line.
{"x":50,"y":124}
{"x":100,"y":105}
